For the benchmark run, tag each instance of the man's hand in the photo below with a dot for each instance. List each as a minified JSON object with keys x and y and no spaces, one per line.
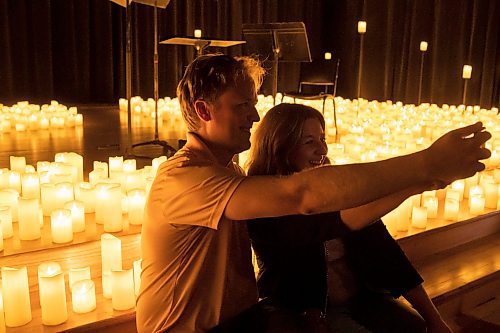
{"x":457,"y":154}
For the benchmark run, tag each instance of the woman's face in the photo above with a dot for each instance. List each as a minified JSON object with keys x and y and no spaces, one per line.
{"x":311,"y":150}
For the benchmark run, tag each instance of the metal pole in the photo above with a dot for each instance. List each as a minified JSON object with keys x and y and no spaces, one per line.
{"x":420,"y":77}
{"x":128,"y":74}
{"x":360,"y":64}
{"x":155,"y":69}
{"x":464,"y":91}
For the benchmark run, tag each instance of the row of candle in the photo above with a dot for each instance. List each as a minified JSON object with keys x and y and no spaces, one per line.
{"x":23,"y":116}
{"x":121,"y":286}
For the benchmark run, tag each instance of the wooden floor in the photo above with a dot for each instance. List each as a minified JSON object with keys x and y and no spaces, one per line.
{"x":103,"y":134}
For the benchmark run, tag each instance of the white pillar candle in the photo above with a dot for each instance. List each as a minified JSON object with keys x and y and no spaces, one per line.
{"x":403,"y":215}
{"x":28,"y":169}
{"x":79,"y":119}
{"x":29,"y":219}
{"x":73,"y":159}
{"x":133,"y":180}
{"x":476,"y":205}
{"x":467,"y":72}
{"x":149,"y":183}
{"x":423,"y":46}
{"x":136,"y":202}
{"x":78,"y":274}
{"x":361,"y":27}
{"x":431,"y":203}
{"x":15,"y":181}
{"x":2,"y":315}
{"x":419,"y":217}
{"x":122,"y":289}
{"x":6,"y":221}
{"x":85,"y":193}
{"x":1,"y":242}
{"x":137,"y":276}
{"x":451,"y":209}
{"x":453,"y":194}
{"x":115,"y":164}
{"x":77,"y":210}
{"x":17,"y":163}
{"x":111,"y":257}
{"x":10,"y":197}
{"x":52,"y":294}
{"x":459,"y":186}
{"x":63,"y":172}
{"x":48,"y":198}
{"x":476,"y":190}
{"x":110,"y":211}
{"x":4,"y":178}
{"x":496,"y":175}
{"x":469,"y":182}
{"x":101,"y":165}
{"x":30,"y":185}
{"x":156,"y":163}
{"x":96,"y":175}
{"x":490,"y":195}
{"x":44,"y":123}
{"x":64,"y":193}
{"x":83,"y":296}
{"x":42,"y":166}
{"x":197,"y":33}
{"x":129,"y":165}
{"x":61,"y":226}
{"x":16,"y":296}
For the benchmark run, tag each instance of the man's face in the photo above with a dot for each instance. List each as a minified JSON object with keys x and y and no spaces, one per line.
{"x":233,"y":116}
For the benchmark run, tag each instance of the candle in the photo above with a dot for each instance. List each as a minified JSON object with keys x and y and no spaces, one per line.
{"x":61,"y":226}
{"x":453,"y":194}
{"x":64,"y":193}
{"x":137,"y":276}
{"x":85,"y":193}
{"x":30,"y":185}
{"x":79,"y":119}
{"x":111,"y":256}
{"x":78,"y":274}
{"x":328,"y":56}
{"x":403,"y":215}
{"x":469,"y":182}
{"x":103,"y":166}
{"x":115,"y":164}
{"x":133,"y":180}
{"x":72,"y":159}
{"x":476,"y":205}
{"x":83,"y":296}
{"x":4,"y":178}
{"x":17,"y":163}
{"x":48,"y":198}
{"x":431,"y":203}
{"x":77,"y":210}
{"x":361,"y":27}
{"x":155,"y":164}
{"x":136,"y":202}
{"x":451,"y":209}
{"x":197,"y":33}
{"x":29,"y":219}
{"x":16,"y":296}
{"x":490,"y":194}
{"x":9,"y":197}
{"x":122,"y":289}
{"x":2,"y":315}
{"x":467,"y":72}
{"x":423,"y":46}
{"x":96,"y":175}
{"x":15,"y":181}
{"x":6,"y":221}
{"x":52,"y":294}
{"x":476,"y":190}
{"x":459,"y":186}
{"x":129,"y":165}
{"x":419,"y":217}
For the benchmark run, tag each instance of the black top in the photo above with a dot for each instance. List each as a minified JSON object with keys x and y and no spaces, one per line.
{"x":292,"y":265}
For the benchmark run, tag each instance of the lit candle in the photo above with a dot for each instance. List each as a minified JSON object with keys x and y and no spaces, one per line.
{"x":451,"y":209}
{"x":419,"y":217}
{"x":16,"y":296}
{"x":133,"y":180}
{"x":73,"y":159}
{"x":6,"y":221}
{"x":85,"y":193}
{"x":137,"y":275}
{"x":467,"y":72}
{"x":96,"y":175}
{"x":29,"y":219}
{"x":10,"y":197}
{"x":15,"y":181}
{"x":129,"y":165}
{"x":78,"y":274}
{"x":101,"y":165}
{"x":30,"y":185}
{"x":155,"y":164}
{"x":197,"y":33}
{"x":4,"y":178}
{"x":453,"y":194}
{"x":459,"y":185}
{"x":48,"y":198}
{"x":17,"y":163}
{"x":490,"y":194}
{"x":328,"y":56}
{"x":61,"y":226}
{"x":431,"y":203}
{"x":2,"y":315}
{"x":122,"y":289}
{"x":83,"y":296}
{"x":111,"y":256}
{"x":476,"y":190}
{"x":77,"y":210}
{"x":115,"y":164}
{"x":403,"y":215}
{"x":64,"y":193}
{"x":361,"y":27}
{"x":476,"y":205}
{"x":52,"y":294}
{"x":108,"y":208}
{"x":423,"y":46}
{"x":469,"y":182}
{"x":136,"y":202}
{"x":79,"y":119}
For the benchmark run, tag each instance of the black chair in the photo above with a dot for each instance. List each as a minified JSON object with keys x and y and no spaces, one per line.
{"x":318,"y":80}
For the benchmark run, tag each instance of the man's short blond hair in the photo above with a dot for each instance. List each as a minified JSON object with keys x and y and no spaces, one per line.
{"x":209,"y":76}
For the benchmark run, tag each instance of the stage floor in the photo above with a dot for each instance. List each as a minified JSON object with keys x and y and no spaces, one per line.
{"x":103,"y":134}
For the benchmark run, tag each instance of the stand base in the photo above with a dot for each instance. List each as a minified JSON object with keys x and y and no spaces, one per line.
{"x":167,"y":149}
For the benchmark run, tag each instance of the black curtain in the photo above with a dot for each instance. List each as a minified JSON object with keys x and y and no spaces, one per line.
{"x":73,"y":50}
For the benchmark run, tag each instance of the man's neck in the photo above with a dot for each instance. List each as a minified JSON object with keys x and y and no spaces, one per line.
{"x":219,"y":154}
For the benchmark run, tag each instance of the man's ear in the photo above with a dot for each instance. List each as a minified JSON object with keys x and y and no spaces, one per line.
{"x":203,"y":110}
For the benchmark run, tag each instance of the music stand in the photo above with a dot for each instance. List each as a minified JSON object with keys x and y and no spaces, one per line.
{"x":128,"y":73}
{"x":201,"y":43}
{"x":285,"y":42}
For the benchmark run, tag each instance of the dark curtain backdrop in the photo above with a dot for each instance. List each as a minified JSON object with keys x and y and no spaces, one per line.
{"x":73,"y":50}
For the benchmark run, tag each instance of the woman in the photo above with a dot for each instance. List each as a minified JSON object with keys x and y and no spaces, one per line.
{"x":330,"y":277}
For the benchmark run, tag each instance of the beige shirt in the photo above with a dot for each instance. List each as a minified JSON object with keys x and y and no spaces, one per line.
{"x":196,"y":264}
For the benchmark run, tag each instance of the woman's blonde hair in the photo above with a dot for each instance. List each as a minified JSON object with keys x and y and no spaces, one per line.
{"x":278,"y":134}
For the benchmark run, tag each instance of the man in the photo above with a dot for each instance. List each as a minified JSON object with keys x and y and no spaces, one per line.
{"x":196,"y":264}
